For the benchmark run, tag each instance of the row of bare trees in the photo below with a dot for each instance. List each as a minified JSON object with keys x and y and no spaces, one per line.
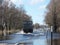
{"x":53,"y":15}
{"x":12,"y":17}
{"x":36,"y":26}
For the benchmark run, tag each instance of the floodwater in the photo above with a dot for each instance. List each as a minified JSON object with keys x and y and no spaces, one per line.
{"x":37,"y":42}
{"x":40,"y":42}
{"x":28,"y":39}
{"x":56,"y":42}
{"x":45,"y":41}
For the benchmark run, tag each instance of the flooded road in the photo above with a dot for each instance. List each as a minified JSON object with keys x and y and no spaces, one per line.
{"x":27,"y":39}
{"x":33,"y":39}
{"x":36,"y":42}
{"x":45,"y":41}
{"x":40,"y":42}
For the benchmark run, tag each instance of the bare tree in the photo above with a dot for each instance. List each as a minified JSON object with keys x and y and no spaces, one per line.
{"x":52,"y":17}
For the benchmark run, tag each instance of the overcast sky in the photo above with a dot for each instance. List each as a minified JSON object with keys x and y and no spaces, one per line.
{"x":34,"y":8}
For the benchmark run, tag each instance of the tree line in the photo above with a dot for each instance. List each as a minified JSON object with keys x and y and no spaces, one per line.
{"x":12,"y":17}
{"x":53,"y":15}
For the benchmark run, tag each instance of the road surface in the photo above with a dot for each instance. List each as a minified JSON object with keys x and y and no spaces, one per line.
{"x":35,"y":38}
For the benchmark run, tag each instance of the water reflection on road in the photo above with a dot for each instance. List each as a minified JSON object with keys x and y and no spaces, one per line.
{"x":40,"y":42}
{"x":36,"y":42}
{"x":43,"y":41}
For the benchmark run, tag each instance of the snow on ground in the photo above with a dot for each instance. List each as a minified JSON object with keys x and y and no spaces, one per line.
{"x":21,"y":32}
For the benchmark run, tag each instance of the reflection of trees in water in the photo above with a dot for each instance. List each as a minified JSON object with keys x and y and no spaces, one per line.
{"x":56,"y":42}
{"x":27,"y":43}
{"x":1,"y":29}
{"x":48,"y":42}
